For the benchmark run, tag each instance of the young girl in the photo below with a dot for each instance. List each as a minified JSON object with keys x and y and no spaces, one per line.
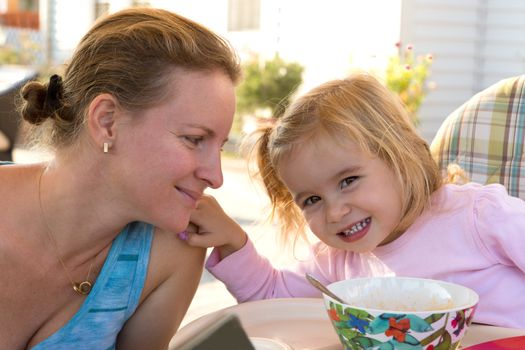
{"x":345,"y":160}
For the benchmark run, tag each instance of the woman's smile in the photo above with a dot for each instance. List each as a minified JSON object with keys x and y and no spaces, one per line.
{"x":189,"y":196}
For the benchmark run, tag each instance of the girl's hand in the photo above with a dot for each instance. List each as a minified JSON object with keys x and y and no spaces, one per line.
{"x":210,"y":226}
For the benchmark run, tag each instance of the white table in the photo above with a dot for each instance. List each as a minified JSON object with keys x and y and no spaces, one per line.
{"x":303,"y":324}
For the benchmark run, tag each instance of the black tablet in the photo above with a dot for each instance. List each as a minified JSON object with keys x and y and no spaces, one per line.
{"x":222,"y":332}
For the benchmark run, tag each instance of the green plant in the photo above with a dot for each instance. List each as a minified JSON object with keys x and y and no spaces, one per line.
{"x":406,"y":75}
{"x":24,"y":53}
{"x":268,"y":85}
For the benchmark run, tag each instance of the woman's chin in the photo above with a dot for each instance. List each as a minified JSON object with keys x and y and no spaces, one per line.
{"x":169,"y":225}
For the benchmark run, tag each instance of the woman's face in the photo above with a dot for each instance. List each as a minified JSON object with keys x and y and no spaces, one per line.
{"x":169,"y":154}
{"x":350,"y":200}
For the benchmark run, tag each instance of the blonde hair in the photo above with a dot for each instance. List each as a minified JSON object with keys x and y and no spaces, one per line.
{"x":133,"y":55}
{"x":360,"y":109}
{"x":454,"y":174}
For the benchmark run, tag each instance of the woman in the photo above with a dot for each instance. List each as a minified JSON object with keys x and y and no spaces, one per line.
{"x":87,"y":239}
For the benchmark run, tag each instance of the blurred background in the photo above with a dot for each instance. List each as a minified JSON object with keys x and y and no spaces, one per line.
{"x":435,"y":54}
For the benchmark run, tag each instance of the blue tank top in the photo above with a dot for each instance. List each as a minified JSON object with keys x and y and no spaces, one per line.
{"x":114,"y":297}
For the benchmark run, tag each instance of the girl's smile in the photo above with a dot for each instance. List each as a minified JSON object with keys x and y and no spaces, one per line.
{"x":349,"y":199}
{"x":356,"y":231}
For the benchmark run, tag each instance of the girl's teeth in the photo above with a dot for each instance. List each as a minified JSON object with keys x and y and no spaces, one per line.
{"x":357,"y":227}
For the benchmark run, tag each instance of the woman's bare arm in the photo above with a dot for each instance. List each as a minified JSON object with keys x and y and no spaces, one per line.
{"x":173,"y":277}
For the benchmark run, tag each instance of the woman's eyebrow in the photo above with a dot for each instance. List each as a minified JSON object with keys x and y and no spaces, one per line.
{"x":207,"y":130}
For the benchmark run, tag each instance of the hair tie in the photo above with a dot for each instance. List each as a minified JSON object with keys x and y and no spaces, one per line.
{"x":54,"y":94}
{"x":267,"y":124}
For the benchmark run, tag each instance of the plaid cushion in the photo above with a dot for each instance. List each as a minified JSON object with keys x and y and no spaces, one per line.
{"x":485,"y":136}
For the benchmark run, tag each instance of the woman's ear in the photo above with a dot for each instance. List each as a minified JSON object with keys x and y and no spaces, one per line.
{"x":101,"y":122}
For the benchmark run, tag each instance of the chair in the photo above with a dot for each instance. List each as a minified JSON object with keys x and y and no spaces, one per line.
{"x":5,"y":143}
{"x":12,"y":78}
{"x":485,"y":136}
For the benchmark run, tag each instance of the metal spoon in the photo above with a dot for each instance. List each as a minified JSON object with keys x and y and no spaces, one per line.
{"x":315,"y":282}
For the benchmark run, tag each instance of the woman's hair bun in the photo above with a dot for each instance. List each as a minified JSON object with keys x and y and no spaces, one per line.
{"x":41,"y":101}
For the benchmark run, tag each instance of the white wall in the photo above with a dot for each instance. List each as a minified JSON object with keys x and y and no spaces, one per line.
{"x":65,"y":22}
{"x":475,"y":43}
{"x":327,"y":37}
{"x":211,"y":13}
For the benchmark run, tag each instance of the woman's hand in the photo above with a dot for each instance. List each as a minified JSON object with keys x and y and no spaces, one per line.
{"x":210,"y":226}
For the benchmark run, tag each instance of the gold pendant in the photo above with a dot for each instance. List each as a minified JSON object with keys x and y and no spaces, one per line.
{"x":82,"y":288}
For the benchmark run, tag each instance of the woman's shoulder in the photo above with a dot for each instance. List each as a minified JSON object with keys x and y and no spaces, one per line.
{"x":174,"y":272}
{"x":10,"y":171}
{"x":170,"y":256}
{"x":17,"y":185}
{"x":170,"y":248}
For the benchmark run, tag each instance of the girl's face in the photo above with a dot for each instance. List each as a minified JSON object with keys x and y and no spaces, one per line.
{"x":350,"y":200}
{"x":169,"y":154}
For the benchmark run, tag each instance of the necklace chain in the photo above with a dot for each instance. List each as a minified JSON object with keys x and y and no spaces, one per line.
{"x":81,"y":288}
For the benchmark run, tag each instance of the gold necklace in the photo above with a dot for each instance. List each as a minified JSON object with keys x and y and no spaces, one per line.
{"x":81,"y":288}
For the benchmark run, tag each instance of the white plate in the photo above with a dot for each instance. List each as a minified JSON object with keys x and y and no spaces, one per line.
{"x":300,"y":323}
{"x":268,"y":344}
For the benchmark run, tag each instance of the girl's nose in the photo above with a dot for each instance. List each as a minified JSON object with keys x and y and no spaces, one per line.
{"x":336,"y":210}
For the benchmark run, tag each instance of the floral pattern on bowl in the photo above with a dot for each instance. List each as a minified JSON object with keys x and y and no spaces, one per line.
{"x":358,"y":329}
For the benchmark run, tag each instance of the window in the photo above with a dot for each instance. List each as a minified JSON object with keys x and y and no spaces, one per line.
{"x":101,"y":8}
{"x":141,"y":3}
{"x":28,"y":5}
{"x":244,"y":15}
{"x":21,"y":14}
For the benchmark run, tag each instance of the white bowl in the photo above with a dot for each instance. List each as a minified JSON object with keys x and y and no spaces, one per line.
{"x":400,"y":312}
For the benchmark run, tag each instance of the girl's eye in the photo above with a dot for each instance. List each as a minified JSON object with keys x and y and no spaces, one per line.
{"x":311,"y":200}
{"x":348,"y":181}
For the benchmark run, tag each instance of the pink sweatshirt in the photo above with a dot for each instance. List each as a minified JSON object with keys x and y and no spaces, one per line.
{"x":471,"y":235}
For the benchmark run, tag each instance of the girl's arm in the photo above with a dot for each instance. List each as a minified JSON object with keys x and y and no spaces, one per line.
{"x":235,"y":261}
{"x":251,"y":276}
{"x":211,"y":227}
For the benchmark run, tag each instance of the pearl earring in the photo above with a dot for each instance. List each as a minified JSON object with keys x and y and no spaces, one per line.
{"x":106,"y":147}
